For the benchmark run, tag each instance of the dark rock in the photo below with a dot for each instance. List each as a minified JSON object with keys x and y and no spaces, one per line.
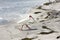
{"x":58,"y":37}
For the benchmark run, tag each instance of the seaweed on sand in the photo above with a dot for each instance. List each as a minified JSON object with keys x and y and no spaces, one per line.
{"x":26,"y":39}
{"x":40,"y":7}
{"x":29,"y":38}
{"x":47,"y":32}
{"x":58,"y":37}
{"x":48,"y":13}
{"x":37,"y":12}
{"x":42,"y":20}
{"x":48,"y":3}
{"x":45,"y":27}
{"x":46,"y":17}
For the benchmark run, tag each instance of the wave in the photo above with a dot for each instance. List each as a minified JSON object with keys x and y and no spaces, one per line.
{"x":14,"y":9}
{"x":3,"y":21}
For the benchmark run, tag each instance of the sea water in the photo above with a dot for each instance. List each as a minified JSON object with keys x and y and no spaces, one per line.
{"x":17,"y":9}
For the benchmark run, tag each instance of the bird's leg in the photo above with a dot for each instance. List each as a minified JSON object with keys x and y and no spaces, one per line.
{"x":27,"y":26}
{"x":22,"y":27}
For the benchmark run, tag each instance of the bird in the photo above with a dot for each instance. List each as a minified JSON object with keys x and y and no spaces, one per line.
{"x":24,"y":22}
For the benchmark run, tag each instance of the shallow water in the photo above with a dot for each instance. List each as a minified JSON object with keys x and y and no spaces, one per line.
{"x":16,"y":9}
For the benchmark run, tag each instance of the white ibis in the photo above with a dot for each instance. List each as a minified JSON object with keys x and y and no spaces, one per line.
{"x":25,"y":22}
